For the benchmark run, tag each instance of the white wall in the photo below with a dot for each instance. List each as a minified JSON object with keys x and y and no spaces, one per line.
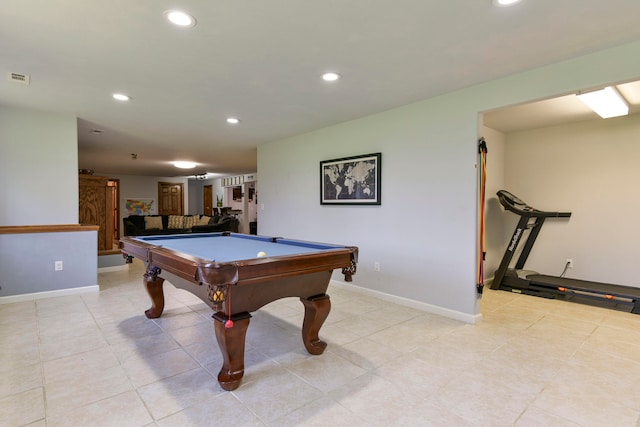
{"x":27,"y":263}
{"x":415,"y":233}
{"x":424,"y":234}
{"x":195,"y":194}
{"x":590,"y":169}
{"x":39,"y":186}
{"x":38,"y":167}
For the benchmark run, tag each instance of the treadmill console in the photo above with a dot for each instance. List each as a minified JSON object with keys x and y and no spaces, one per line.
{"x":517,"y":206}
{"x":512,"y":200}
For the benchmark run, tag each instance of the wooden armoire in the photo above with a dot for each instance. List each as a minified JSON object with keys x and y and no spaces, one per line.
{"x":96,"y":207}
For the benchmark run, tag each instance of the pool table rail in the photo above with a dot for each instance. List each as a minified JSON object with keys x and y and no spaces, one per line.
{"x":251,"y":270}
{"x":258,"y":270}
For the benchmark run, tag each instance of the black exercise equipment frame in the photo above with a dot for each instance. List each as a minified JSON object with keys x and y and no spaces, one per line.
{"x":532,"y":283}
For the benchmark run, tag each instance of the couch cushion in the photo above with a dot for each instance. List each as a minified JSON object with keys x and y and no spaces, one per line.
{"x":175,"y":221}
{"x":137,"y":221}
{"x":190,"y":220}
{"x":204,"y":220}
{"x":152,"y":222}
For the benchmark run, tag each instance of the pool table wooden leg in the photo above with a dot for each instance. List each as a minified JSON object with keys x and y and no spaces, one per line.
{"x":316,"y":310}
{"x":231,"y":342}
{"x":153,"y":283}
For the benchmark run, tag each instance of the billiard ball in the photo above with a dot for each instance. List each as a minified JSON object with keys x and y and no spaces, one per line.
{"x":261,"y":254}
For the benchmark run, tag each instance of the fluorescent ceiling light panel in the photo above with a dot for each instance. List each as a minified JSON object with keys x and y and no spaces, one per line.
{"x":606,"y":102}
{"x":121,"y":97}
{"x":185,"y":165}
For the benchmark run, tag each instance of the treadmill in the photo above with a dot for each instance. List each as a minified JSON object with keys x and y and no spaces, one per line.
{"x":626,"y":298}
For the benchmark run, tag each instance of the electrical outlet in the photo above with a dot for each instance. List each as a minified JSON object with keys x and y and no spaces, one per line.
{"x":376,"y":266}
{"x":569,"y":263}
{"x":58,"y":266}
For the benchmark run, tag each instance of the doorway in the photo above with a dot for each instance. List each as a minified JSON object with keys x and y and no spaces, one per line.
{"x":113,"y":191}
{"x":171,"y":197}
{"x":207,"y":195}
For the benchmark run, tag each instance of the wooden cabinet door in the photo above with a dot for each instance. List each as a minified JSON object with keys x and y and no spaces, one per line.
{"x":170,"y":195}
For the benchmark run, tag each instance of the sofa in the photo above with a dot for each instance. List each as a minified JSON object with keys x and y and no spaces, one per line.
{"x":149,"y":225}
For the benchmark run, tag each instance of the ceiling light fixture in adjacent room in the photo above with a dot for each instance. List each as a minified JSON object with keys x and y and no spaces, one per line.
{"x":185,"y":165}
{"x":503,"y":3}
{"x":331,"y":77}
{"x":179,"y":18}
{"x":606,"y":102}
{"x":233,"y":120}
{"x":121,"y":97}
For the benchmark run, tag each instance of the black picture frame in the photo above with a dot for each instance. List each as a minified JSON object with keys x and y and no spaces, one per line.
{"x":351,"y":180}
{"x":237,"y":193}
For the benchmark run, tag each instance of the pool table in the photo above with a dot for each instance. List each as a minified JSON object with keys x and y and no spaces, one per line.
{"x":236,"y":274}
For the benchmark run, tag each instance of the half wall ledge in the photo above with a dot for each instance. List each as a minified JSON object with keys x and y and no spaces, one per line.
{"x":55,"y":228}
{"x":42,"y":261}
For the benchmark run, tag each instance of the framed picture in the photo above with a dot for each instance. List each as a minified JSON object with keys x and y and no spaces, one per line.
{"x":140,"y":206}
{"x":237,"y":193}
{"x":351,"y":180}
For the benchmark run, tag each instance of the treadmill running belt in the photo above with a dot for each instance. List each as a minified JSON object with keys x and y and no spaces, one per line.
{"x":584,"y":285}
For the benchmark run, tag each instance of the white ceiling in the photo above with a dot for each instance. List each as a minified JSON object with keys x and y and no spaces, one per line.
{"x":261,"y":61}
{"x":554,"y":111}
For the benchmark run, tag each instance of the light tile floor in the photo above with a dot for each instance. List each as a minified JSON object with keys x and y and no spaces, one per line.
{"x":96,"y":360}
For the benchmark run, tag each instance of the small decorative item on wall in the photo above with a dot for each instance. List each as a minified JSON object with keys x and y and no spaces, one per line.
{"x":140,"y":206}
{"x":218,"y":201}
{"x":351,"y":180}
{"x":237,"y":193}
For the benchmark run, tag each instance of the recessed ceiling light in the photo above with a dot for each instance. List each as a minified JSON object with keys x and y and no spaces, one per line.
{"x":121,"y":97}
{"x":179,"y":18}
{"x":185,"y":165}
{"x":330,"y":77}
{"x":503,"y":3}
{"x":233,"y":120}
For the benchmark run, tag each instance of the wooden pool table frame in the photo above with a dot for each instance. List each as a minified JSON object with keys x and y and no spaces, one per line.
{"x":234,"y":289}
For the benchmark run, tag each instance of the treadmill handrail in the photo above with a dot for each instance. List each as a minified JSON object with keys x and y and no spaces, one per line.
{"x":517,"y":206}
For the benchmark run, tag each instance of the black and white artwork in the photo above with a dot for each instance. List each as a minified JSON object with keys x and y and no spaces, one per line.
{"x":351,"y":180}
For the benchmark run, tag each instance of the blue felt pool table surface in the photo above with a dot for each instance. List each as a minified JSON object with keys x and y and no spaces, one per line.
{"x":225,"y":247}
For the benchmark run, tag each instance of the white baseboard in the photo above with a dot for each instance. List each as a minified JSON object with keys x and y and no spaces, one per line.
{"x":113,"y":268}
{"x":48,"y":294}
{"x":429,"y":308}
